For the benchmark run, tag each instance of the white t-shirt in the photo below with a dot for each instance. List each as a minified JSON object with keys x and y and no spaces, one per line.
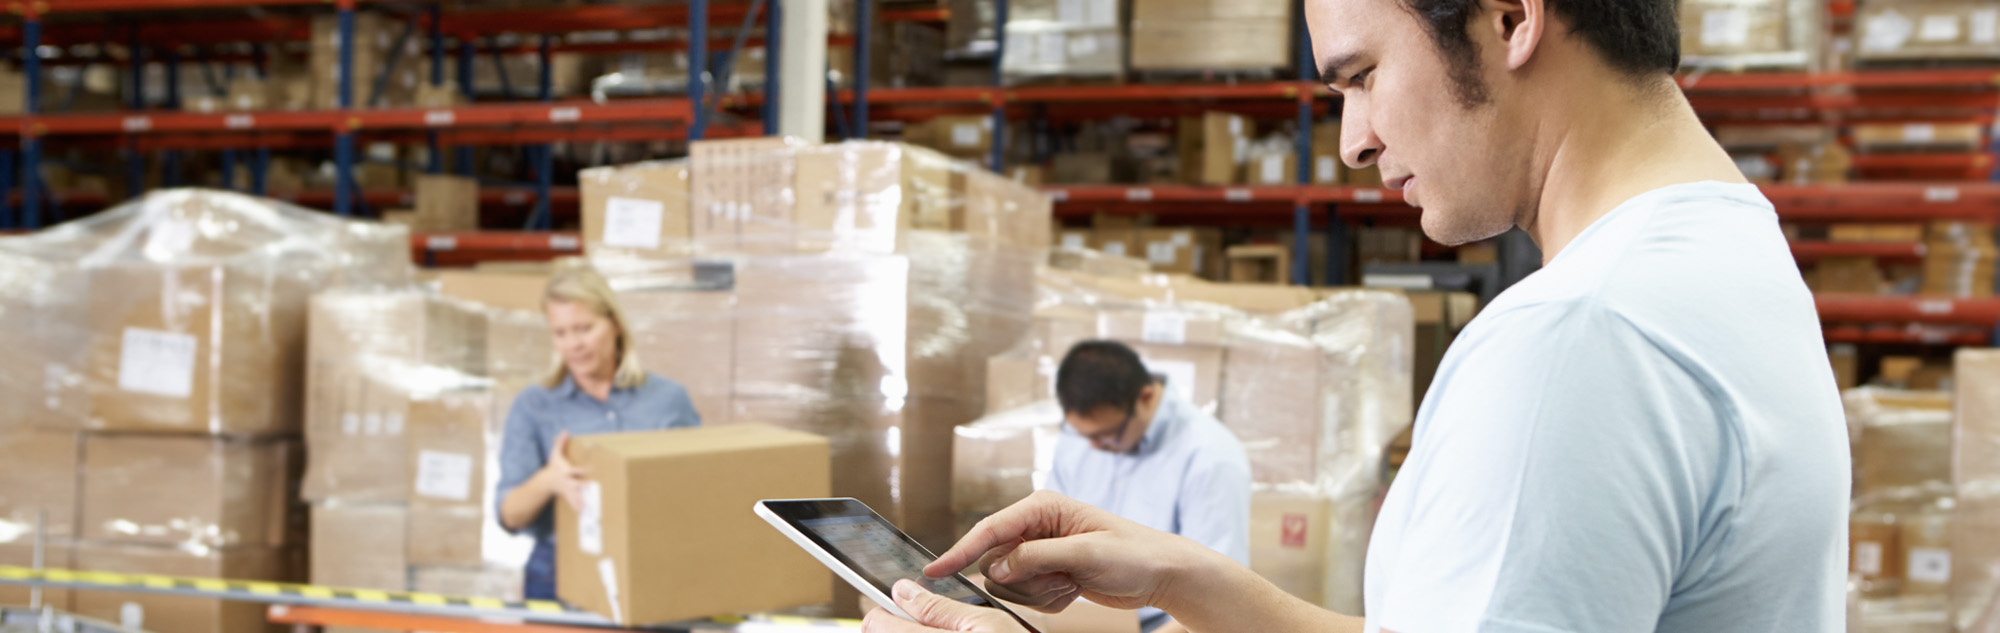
{"x":1643,"y":436}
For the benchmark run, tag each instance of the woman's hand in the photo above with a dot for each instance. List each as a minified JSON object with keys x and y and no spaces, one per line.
{"x":934,"y":614}
{"x":560,"y":478}
{"x":1048,"y":550}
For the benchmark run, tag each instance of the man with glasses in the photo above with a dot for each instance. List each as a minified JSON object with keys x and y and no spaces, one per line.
{"x":1135,"y":446}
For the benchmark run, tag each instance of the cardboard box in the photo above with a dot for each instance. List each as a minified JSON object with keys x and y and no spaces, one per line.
{"x":505,"y":291}
{"x":636,"y":210}
{"x":1206,"y":35}
{"x":1720,"y":28}
{"x":734,"y":208}
{"x":448,"y":492}
{"x":844,"y":190}
{"x":1885,"y":136}
{"x":694,"y":346}
{"x":649,"y":549}
{"x":1080,"y":168}
{"x":1825,"y":163}
{"x":1891,"y":30}
{"x":439,"y":96}
{"x":1370,"y":176}
{"x":249,"y":94}
{"x":56,"y":554}
{"x":179,"y":614}
{"x":1194,"y":370}
{"x":1164,"y":326}
{"x":1439,"y":316}
{"x":182,"y":490}
{"x":446,"y":204}
{"x":1073,"y":239}
{"x":1275,"y":168}
{"x":1018,"y":381}
{"x":1212,"y":146}
{"x":967,"y":136}
{"x":492,"y":581}
{"x":39,"y":481}
{"x":1118,"y":243}
{"x":1183,"y":251}
{"x":1847,"y":274}
{"x":150,"y":325}
{"x":1328,"y":168}
{"x":1259,"y":263}
{"x":1261,"y":380}
{"x":360,"y":546}
{"x":1974,"y":547}
{"x":1389,"y":244}
{"x":1853,"y":233}
{"x":1846,"y":366}
{"x":1288,"y":541}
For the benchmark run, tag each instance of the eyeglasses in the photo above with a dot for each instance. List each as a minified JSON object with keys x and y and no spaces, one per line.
{"x":1107,"y":437}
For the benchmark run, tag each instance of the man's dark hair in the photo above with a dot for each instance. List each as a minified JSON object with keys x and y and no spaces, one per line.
{"x":1100,"y":373}
{"x":1636,"y":37}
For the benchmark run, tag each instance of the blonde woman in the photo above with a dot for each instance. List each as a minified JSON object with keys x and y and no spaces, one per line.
{"x":596,"y":386}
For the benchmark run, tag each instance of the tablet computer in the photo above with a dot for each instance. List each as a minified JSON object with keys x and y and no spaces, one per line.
{"x":867,"y":551}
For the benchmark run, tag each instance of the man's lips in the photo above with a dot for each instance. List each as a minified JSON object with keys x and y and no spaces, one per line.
{"x":1405,"y":184}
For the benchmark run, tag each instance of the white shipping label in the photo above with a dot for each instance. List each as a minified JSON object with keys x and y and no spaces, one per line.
{"x":590,"y":520}
{"x":1324,"y":169}
{"x":1082,"y":46}
{"x":1273,"y":169}
{"x":1073,"y":241}
{"x":1235,"y":126}
{"x":1183,"y":238}
{"x":965,"y":134}
{"x":1100,"y":13}
{"x":1072,"y":11}
{"x":1167,"y":328}
{"x":1886,"y":31}
{"x":1160,"y":253}
{"x":1115,"y":249}
{"x":1051,"y":49}
{"x":1930,"y":564}
{"x":607,"y":573}
{"x":371,"y":424}
{"x":1725,"y":27}
{"x":1984,"y":26}
{"x":633,"y":222}
{"x":350,"y":423}
{"x":444,"y":475}
{"x":132,"y":616}
{"x":157,"y":363}
{"x":1179,"y":374}
{"x":1868,"y":558}
{"x":1938,"y":28}
{"x":1919,"y":133}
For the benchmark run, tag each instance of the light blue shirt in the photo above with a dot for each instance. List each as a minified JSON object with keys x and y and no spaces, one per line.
{"x":1644,"y":436}
{"x":1188,"y":476}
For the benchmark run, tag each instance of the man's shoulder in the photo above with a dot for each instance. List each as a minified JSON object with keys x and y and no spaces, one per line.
{"x":1210,"y":444}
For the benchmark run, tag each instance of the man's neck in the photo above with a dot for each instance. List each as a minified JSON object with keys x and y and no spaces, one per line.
{"x":1616,"y":145}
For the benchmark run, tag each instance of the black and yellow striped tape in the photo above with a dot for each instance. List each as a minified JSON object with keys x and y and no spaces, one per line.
{"x":288,"y":593}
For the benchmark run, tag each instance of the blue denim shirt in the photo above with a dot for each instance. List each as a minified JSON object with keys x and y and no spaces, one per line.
{"x":540,"y":415}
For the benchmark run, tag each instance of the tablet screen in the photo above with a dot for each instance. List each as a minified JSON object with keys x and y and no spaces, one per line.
{"x":872,"y":547}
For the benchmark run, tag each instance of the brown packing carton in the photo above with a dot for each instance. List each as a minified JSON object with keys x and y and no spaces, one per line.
{"x":1926,"y":543}
{"x":1091,"y":262}
{"x":648,"y":548}
{"x":733,"y":206}
{"x":1080,"y":168}
{"x":636,"y":210}
{"x":965,"y":136}
{"x":249,"y":93}
{"x":181,"y":614}
{"x":1016,"y":381}
{"x":1875,"y":551}
{"x":1439,"y":316}
{"x":845,"y":194}
{"x":1073,"y":239}
{"x":1193,"y":370}
{"x":1975,"y":530}
{"x":1260,"y":263}
{"x":691,"y":339}
{"x":496,"y":582}
{"x":360,"y":546}
{"x":1389,"y":244}
{"x":188,"y":490}
{"x":1885,"y":136}
{"x":448,"y":458}
{"x":1118,"y":243}
{"x":507,"y":291}
{"x":1288,"y":541}
{"x":1905,"y":448}
{"x":38,"y":485}
{"x":1733,"y":27}
{"x":1846,"y":366}
{"x":1327,"y":167}
{"x":438,"y":96}
{"x":1281,"y":431}
{"x":1211,"y":44}
{"x":1181,"y":251}
{"x":214,"y":349}
{"x":1162,"y":326}
{"x":1847,"y":274}
{"x":446,"y":204}
{"x":1271,"y":168}
{"x":1212,"y":146}
{"x":56,"y":554}
{"x":1935,"y":30}
{"x":1370,"y":176}
{"x":518,"y":346}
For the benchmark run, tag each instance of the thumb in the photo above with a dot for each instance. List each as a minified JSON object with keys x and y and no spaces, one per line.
{"x":562,"y":445}
{"x":936,"y":611}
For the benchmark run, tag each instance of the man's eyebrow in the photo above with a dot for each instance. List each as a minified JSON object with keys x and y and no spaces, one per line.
{"x":1331,"y":65}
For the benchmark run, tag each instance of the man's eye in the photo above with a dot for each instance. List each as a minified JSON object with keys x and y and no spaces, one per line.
{"x":1358,"y":78}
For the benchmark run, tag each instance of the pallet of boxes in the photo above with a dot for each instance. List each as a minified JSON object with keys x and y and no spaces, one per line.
{"x":1901,"y":519}
{"x":849,"y":290}
{"x":1315,"y":384}
{"x":1974,"y":536}
{"x":155,"y":398}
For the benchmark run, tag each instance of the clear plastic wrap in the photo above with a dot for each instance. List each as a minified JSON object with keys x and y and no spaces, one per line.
{"x":1315,"y":389}
{"x":38,"y":486}
{"x":854,"y":290}
{"x":1902,"y":509}
{"x":1975,"y":530}
{"x":1046,"y":38}
{"x":195,"y":492}
{"x":180,"y":311}
{"x":142,"y":611}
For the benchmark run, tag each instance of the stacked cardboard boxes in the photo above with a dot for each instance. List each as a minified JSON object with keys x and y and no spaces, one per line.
{"x":1902,"y":501}
{"x":962,"y":136}
{"x":1067,"y":38}
{"x":1205,"y":35}
{"x":1281,"y":374}
{"x":181,"y":358}
{"x":1974,"y":538}
{"x":1738,"y":34}
{"x":379,"y":47}
{"x":1959,"y":259}
{"x":446,"y":204}
{"x":1891,"y":30}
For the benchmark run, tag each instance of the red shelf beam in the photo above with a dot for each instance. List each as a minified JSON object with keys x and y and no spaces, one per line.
{"x":939,"y":14}
{"x":1968,"y":78}
{"x":648,"y":111}
{"x":1834,"y":308}
{"x":1904,"y":335}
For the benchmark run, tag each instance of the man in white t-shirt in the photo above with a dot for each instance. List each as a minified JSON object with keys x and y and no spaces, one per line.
{"x":1643,"y":436}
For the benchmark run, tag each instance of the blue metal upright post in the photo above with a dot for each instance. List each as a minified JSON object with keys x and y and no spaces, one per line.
{"x":544,"y":154}
{"x":260,"y":171}
{"x":774,"y":26}
{"x":436,"y":165}
{"x":468,"y":50}
{"x":1302,"y":142}
{"x":6,"y":187}
{"x":999,"y":137}
{"x":864,"y":17}
{"x":31,"y":144}
{"x":170,"y":160}
{"x":135,"y":163}
{"x":343,"y":139}
{"x":698,"y":66}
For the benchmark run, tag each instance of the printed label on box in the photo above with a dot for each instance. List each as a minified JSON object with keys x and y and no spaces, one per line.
{"x":1919,"y":133}
{"x":1073,"y":241}
{"x":1325,"y":168}
{"x":1166,"y":328}
{"x":371,"y":424}
{"x":633,"y":222}
{"x":1930,"y":564}
{"x":1886,"y":31}
{"x":1071,"y":11}
{"x":1273,"y":168}
{"x":1051,"y":49}
{"x":157,"y":363}
{"x":590,"y":520}
{"x":1725,"y":28}
{"x":1183,"y":239}
{"x":1160,"y":253}
{"x":1179,"y":374}
{"x":967,"y":134}
{"x":132,"y":616}
{"x":607,"y":573}
{"x":1115,"y":249}
{"x":1102,"y":13}
{"x":1082,"y":46}
{"x":1868,"y":558}
{"x":1938,"y":28}
{"x":1292,"y":533}
{"x":1984,"y":25}
{"x":443,"y":475}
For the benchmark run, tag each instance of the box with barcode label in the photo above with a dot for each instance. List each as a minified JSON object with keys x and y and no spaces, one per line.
{"x":449,"y":488}
{"x":1742,"y":34}
{"x":1904,"y":30}
{"x":636,"y":210}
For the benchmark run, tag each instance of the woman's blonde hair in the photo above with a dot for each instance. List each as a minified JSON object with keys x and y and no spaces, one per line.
{"x":584,"y":287}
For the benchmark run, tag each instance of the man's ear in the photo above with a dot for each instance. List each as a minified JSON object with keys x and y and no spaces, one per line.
{"x":1517,"y":24}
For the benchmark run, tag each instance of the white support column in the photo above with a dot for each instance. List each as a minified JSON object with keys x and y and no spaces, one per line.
{"x":802,"y":70}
